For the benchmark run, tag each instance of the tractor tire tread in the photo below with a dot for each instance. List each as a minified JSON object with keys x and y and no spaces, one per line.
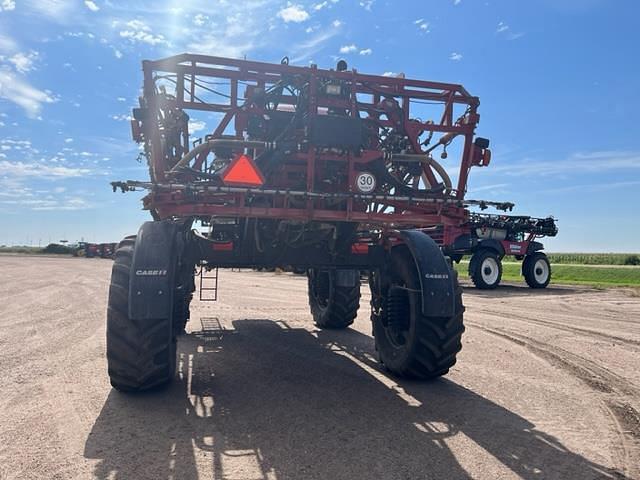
{"x":439,"y":339}
{"x":140,"y":353}
{"x":343,"y":309}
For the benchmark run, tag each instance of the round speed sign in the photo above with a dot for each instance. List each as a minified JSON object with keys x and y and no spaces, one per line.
{"x":366,"y":182}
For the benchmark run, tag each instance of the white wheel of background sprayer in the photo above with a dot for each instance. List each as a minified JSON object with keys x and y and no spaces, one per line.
{"x":485,"y":269}
{"x":536,"y":270}
{"x":541,"y":271}
{"x":489,"y":270}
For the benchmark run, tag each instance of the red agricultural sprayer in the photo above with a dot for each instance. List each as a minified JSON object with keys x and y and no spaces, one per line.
{"x":331,"y":171}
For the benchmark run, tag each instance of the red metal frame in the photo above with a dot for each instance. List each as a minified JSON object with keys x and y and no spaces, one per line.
{"x":365,"y":100}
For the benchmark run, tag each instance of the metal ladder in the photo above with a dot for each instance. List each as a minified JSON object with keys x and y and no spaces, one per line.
{"x":208,"y":284}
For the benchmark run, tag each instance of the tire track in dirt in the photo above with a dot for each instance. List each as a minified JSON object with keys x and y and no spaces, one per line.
{"x":562,"y":326}
{"x":616,"y":391}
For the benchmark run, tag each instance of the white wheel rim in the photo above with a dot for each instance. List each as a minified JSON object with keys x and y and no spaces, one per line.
{"x":489,"y":271}
{"x":541,"y":271}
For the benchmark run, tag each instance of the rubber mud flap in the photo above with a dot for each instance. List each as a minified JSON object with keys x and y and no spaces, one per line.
{"x":152,"y":273}
{"x":436,"y":278}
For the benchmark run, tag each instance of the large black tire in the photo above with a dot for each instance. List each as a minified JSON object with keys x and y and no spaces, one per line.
{"x":410,"y":344}
{"x":332,"y":306}
{"x":181,"y":311}
{"x":141,"y":354}
{"x":536,"y":270}
{"x":485,"y":269}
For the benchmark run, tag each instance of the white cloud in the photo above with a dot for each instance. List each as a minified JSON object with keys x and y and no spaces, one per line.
{"x":79,"y":35}
{"x":121,"y":99}
{"x":235,"y":34}
{"x":593,"y":162}
{"x":91,"y":5}
{"x":484,"y":188}
{"x":457,"y":2}
{"x":62,"y":11}
{"x":68,"y":140}
{"x":503,"y":28}
{"x":336,"y":23}
{"x":223,"y":45}
{"x":234,"y":28}
{"x":7,"y":5}
{"x":348,"y":48}
{"x":196,"y":126}
{"x":7,"y":44}
{"x":23,"y":62}
{"x":117,"y":53}
{"x":200,"y":19}
{"x":389,"y":74}
{"x":367,"y":4}
{"x":21,"y":145}
{"x":138,"y":31}
{"x":455,"y":56}
{"x":366,"y":51}
{"x":293,"y":13}
{"x":304,"y":50}
{"x":121,"y":118}
{"x":49,"y":203}
{"x":594,"y":187}
{"x":422,"y":24}
{"x":320,"y":6}
{"x":40,"y":170}
{"x":21,"y":93}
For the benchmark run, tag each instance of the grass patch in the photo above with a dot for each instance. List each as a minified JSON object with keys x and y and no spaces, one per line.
{"x":598,"y":276}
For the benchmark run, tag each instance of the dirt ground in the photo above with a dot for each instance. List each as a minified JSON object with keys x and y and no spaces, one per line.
{"x":547,"y":386}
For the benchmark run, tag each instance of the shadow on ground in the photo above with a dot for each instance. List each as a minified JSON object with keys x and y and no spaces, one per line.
{"x":508,"y":290}
{"x":267,"y":401}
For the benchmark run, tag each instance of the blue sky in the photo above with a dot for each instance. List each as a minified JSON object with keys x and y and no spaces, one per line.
{"x":558,"y":82}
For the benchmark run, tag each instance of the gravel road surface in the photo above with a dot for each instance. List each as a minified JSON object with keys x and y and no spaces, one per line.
{"x":547,"y":386}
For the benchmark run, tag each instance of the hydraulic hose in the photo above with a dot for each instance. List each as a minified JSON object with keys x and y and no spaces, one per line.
{"x":218,"y":142}
{"x":429,"y":161}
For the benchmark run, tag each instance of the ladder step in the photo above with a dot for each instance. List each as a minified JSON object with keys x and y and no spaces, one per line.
{"x":208,"y":284}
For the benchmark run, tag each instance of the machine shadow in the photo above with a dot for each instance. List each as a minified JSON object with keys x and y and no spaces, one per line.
{"x":268,"y":401}
{"x":506,"y":290}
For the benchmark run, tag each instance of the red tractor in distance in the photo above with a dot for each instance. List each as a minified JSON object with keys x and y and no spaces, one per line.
{"x":85,"y":249}
{"x":107,"y":250}
{"x":331,"y":171}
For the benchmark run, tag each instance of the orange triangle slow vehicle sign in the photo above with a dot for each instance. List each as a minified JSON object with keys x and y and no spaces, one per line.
{"x":242,"y":171}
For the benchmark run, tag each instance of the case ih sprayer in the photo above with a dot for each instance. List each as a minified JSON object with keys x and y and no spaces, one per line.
{"x":331,"y":171}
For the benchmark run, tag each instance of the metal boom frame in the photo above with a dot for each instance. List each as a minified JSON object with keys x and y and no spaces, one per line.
{"x":174,"y":193}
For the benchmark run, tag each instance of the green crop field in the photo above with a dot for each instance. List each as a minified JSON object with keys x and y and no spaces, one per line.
{"x":595,"y":258}
{"x":20,"y":249}
{"x":586,"y":274}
